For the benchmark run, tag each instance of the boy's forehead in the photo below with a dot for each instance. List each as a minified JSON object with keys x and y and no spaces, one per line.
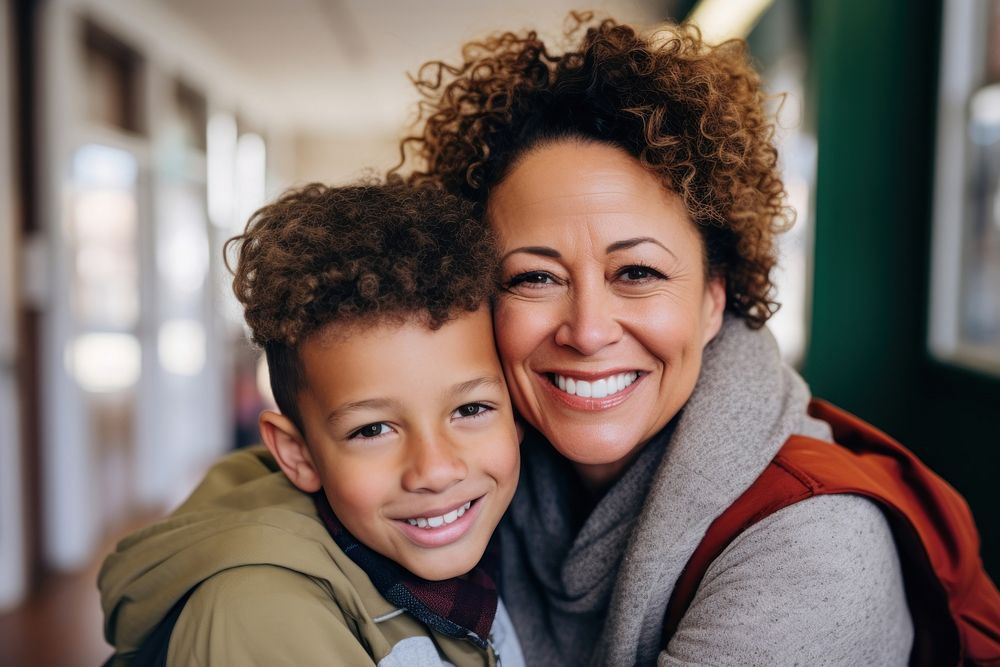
{"x":342,"y":330}
{"x":387,"y":356}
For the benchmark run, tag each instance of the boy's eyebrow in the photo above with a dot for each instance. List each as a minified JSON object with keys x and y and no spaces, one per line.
{"x":367,"y":404}
{"x":489,"y":381}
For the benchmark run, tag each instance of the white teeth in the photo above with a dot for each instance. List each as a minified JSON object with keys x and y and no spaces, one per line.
{"x":597,"y":389}
{"x":438,"y":521}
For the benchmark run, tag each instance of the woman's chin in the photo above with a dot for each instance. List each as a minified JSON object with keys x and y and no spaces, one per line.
{"x":599,"y":461}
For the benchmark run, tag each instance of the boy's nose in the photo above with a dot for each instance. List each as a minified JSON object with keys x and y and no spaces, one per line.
{"x":434,"y":465}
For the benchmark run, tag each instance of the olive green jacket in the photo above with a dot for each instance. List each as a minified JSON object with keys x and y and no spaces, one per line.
{"x":272,"y":586}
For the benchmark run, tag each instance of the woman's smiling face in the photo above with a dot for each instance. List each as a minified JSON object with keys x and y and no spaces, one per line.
{"x":607,"y":306}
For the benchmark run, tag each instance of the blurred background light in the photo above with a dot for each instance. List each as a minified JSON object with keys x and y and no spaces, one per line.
{"x":181,"y":347}
{"x":720,"y":20}
{"x":99,"y":165}
{"x":984,"y":115}
{"x":221,"y":167}
{"x":264,"y":380}
{"x":105,"y":362}
{"x":251,"y":173}
{"x":102,"y":213}
{"x":182,"y":252}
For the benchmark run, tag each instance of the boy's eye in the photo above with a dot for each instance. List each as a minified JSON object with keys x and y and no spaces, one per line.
{"x":371,"y":431}
{"x":472,"y":410}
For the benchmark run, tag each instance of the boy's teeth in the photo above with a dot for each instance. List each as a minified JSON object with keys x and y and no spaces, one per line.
{"x":438,"y":521}
{"x":598,"y":389}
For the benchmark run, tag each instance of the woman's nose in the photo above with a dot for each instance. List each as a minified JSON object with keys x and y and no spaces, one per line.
{"x":434,"y":464}
{"x":590,"y":322}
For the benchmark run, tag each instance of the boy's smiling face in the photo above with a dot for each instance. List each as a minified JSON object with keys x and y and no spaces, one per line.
{"x":410,"y":434}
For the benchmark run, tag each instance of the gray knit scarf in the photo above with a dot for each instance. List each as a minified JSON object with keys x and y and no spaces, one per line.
{"x":594,"y":589}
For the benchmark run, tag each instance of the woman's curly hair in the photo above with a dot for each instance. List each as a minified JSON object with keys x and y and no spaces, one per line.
{"x":360,"y":254}
{"x":689,"y":112}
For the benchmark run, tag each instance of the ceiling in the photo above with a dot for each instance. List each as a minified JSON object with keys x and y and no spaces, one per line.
{"x":339,"y":66}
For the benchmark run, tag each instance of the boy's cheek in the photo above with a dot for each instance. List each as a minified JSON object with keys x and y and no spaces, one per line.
{"x":513,"y":463}
{"x":355,"y":488}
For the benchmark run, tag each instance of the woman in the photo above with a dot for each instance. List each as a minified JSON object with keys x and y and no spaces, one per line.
{"x":635,"y":190}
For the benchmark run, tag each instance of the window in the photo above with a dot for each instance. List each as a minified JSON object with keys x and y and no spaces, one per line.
{"x":964,"y":318}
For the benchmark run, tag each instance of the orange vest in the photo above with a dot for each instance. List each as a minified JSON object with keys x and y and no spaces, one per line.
{"x":954,"y":605}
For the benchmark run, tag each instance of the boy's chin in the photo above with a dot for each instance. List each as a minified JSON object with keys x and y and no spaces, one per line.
{"x":450,"y":567}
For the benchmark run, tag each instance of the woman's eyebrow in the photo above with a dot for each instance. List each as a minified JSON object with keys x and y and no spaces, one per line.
{"x":543,"y":251}
{"x":631,"y":243}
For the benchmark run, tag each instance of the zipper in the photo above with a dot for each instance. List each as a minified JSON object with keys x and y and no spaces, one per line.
{"x":493,"y":649}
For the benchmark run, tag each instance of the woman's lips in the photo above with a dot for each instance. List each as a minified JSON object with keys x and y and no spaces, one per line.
{"x":602,"y":387}
{"x":427,"y":534}
{"x":605,"y":390}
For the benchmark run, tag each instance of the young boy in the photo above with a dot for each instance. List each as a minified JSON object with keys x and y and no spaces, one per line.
{"x":392,"y":459}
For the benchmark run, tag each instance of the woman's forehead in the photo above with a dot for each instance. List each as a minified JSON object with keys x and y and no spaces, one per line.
{"x":569,"y":185}
{"x":578,"y":167}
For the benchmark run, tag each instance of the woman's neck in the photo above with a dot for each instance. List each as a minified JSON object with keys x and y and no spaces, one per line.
{"x":597,"y":478}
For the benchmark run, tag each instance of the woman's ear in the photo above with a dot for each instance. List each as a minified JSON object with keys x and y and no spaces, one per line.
{"x":288,"y":447}
{"x":714,"y":307}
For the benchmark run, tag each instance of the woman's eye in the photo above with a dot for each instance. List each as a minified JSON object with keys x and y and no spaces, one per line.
{"x":530,"y":278}
{"x":472,"y":410}
{"x":371,"y":431}
{"x":640,"y":273}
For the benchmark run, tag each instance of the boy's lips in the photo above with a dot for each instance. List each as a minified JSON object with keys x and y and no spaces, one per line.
{"x":436,"y":519}
{"x":430,"y":535}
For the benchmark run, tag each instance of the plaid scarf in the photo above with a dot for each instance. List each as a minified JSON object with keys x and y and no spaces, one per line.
{"x":462,"y":608}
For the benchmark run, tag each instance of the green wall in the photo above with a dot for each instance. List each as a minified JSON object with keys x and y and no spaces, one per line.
{"x":875,"y":66}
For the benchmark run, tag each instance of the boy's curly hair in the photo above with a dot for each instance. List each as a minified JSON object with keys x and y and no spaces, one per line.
{"x":689,"y":112}
{"x":360,"y":254}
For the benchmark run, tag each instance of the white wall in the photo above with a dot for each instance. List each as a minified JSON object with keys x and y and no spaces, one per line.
{"x":341,"y":158}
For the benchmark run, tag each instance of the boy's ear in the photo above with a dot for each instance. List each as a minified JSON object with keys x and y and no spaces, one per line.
{"x":288,"y":447}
